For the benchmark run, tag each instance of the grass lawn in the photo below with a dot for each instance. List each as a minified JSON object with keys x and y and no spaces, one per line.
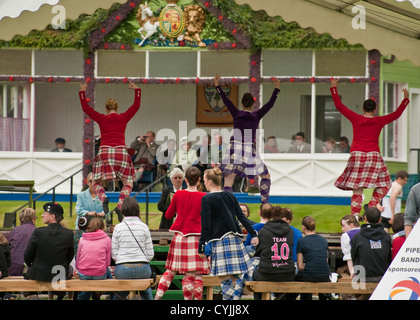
{"x":327,"y":216}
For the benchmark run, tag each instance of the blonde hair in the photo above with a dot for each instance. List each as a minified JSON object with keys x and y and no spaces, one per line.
{"x":27,"y":215}
{"x":111,"y":104}
{"x":214,"y":175}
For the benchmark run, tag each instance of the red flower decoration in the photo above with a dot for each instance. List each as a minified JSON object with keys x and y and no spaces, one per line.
{"x":87,"y":141}
{"x":31,"y":79}
{"x":234,"y":80}
{"x":88,"y":61}
{"x":234,"y":31}
{"x":372,"y":61}
{"x":107,"y":80}
{"x":177,"y":80}
{"x":88,"y":99}
{"x":125,"y":80}
{"x":352,"y":80}
{"x":87,"y":79}
{"x":373,"y":79}
{"x":220,"y":17}
{"x":292,"y":79}
{"x":144,"y":81}
{"x":197,"y":80}
{"x":68,"y":79}
{"x":103,"y":30}
{"x":253,"y":79}
{"x":50,"y":80}
{"x":206,"y":4}
{"x":132,"y":4}
{"x":118,"y":18}
{"x":253,"y":62}
{"x":11,"y":78}
{"x":234,"y":45}
{"x":216,"y":44}
{"x":87,"y":161}
{"x":313,"y":79}
{"x":161,"y":80}
{"x":122,"y":47}
{"x":87,"y":121}
{"x":105,"y":45}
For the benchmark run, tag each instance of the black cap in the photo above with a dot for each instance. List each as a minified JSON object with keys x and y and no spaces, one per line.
{"x":54,"y":208}
{"x":60,"y":140}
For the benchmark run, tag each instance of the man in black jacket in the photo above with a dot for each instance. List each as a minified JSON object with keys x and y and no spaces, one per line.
{"x":50,"y":249}
{"x":371,"y":248}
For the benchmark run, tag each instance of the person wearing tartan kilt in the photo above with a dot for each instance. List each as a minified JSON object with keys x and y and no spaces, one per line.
{"x":112,"y":161}
{"x":220,"y":230}
{"x":241,"y":158}
{"x":183,"y":251}
{"x":365,"y":168}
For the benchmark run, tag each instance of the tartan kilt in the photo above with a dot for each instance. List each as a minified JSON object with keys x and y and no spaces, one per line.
{"x":183,"y":255}
{"x":364,"y":170}
{"x":113,"y":163}
{"x":242,"y":159}
{"x":228,"y":257}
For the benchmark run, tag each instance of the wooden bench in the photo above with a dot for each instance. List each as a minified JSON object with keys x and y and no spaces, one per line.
{"x":267,"y":287}
{"x":18,"y":284}
{"x":208,"y":283}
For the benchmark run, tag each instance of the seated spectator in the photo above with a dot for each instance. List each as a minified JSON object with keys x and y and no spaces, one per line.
{"x":312,"y":258}
{"x":177,"y":178}
{"x":344,"y":145}
{"x":330,"y":146}
{"x":287,"y":215}
{"x":50,"y":250}
{"x":398,"y":238}
{"x":132,"y":248}
{"x":350,"y":226}
{"x":371,"y":248}
{"x":145,"y":157}
{"x":299,"y":144}
{"x":88,"y":203}
{"x":19,"y":238}
{"x":185,"y":157}
{"x":5,"y":261}
{"x":271,"y":145}
{"x":93,"y":255}
{"x":247,"y":212}
{"x":274,"y":250}
{"x":60,"y":146}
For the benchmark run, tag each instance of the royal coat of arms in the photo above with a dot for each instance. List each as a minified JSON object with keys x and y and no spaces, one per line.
{"x":172,"y":21}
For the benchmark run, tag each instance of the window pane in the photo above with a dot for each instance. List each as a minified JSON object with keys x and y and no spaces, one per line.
{"x":173,"y":64}
{"x":290,"y":114}
{"x":330,"y":125}
{"x":15,"y":62}
{"x":225,"y":63}
{"x":340,"y":63}
{"x":121,"y":63}
{"x":283,"y":63}
{"x":59,"y":62}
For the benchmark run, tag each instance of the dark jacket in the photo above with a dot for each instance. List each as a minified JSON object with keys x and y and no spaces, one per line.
{"x":49,"y":246}
{"x":5,"y":260}
{"x":220,"y":213}
{"x":275,"y":248}
{"x":371,"y":248}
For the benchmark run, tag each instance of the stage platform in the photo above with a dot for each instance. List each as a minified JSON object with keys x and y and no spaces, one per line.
{"x":155,"y":196}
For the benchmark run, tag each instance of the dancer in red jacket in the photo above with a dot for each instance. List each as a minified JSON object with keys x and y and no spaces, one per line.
{"x":365,"y":167}
{"x":112,"y":161}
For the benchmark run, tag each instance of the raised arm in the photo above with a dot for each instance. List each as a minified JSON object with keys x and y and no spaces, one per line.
{"x":136,"y":104}
{"x":337,"y":101}
{"x":267,"y":107}
{"x":94,"y":115}
{"x":231,"y":107}
{"x":397,"y":113}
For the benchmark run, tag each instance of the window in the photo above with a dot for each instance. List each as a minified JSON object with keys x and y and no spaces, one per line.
{"x":394,"y":139}
{"x":14,"y":122}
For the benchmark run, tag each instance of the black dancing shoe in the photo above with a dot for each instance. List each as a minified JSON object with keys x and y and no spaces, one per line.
{"x":105,"y":205}
{"x":119,"y":214}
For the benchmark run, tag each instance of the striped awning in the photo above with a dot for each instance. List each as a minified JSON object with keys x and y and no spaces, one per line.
{"x":390,"y":26}
{"x":19,"y":17}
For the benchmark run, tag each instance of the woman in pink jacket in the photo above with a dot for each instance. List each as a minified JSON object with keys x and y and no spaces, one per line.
{"x":93,"y":254}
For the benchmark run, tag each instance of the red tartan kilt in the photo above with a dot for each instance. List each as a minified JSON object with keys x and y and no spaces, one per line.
{"x":113,"y":163}
{"x":364,"y":170}
{"x":183,"y":255}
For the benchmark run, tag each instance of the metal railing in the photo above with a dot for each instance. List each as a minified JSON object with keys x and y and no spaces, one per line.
{"x":33,"y":202}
